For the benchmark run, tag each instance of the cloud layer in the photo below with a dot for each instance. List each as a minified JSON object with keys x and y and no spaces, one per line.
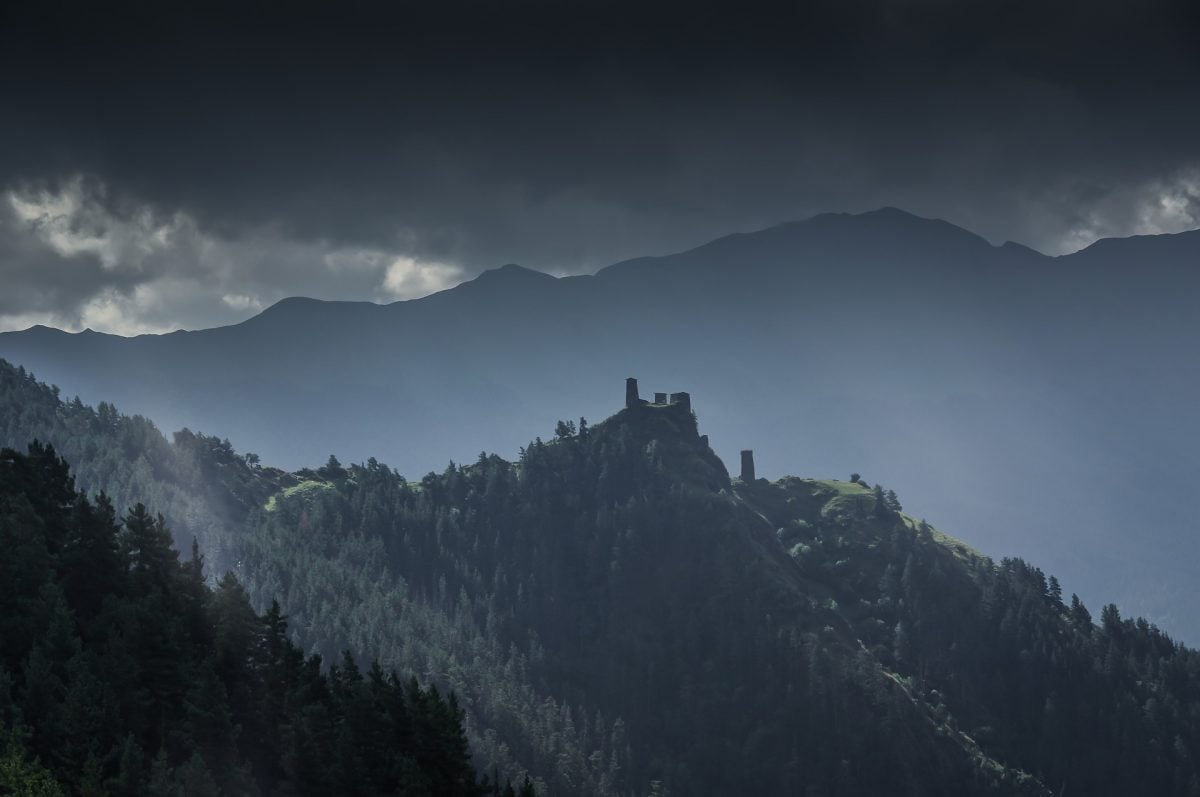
{"x":164,"y":168}
{"x":76,"y":259}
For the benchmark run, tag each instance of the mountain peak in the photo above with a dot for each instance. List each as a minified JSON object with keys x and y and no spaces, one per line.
{"x":880,"y":237}
{"x":306,"y":310}
{"x":901,"y":224}
{"x":888,"y":211}
{"x":509,"y":282}
{"x":511,"y":272}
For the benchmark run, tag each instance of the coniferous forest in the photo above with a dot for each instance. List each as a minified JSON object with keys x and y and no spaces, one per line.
{"x":611,"y":613}
{"x":123,"y":672}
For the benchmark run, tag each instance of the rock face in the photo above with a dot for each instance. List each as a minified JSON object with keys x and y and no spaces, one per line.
{"x":747,"y":465}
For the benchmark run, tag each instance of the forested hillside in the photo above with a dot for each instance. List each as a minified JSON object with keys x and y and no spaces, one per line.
{"x":209,"y":493}
{"x":619,"y":616}
{"x":995,"y":648}
{"x":123,"y":673}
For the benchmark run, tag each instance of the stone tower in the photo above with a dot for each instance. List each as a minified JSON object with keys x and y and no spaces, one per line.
{"x":631,"y":393}
{"x":747,"y":465}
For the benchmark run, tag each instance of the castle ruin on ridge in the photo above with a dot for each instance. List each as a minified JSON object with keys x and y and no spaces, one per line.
{"x":634,"y":399}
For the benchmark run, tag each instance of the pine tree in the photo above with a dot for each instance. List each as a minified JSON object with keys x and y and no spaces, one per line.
{"x":239,"y":635}
{"x":882,"y":510}
{"x":1055,"y":591}
{"x":130,"y":778}
{"x":154,"y":563}
{"x":90,"y":565}
{"x":332,"y":470}
{"x":1079,"y":613}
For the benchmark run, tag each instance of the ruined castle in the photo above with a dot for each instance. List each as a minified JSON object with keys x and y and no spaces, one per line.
{"x":634,"y":399}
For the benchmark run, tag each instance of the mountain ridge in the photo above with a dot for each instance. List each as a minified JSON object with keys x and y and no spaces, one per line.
{"x":893,"y":220}
{"x":903,"y":360}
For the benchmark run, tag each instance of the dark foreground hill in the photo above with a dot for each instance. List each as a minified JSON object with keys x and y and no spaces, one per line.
{"x":1043,"y":404}
{"x":619,"y":616}
{"x":123,"y":673}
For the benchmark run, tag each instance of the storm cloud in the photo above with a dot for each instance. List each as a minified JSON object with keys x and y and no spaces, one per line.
{"x":165,"y":168}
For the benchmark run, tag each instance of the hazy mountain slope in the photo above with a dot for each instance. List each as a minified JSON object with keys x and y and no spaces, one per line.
{"x":1018,"y":668}
{"x":1039,"y":402}
{"x":607,"y":609}
{"x":616,"y":612}
{"x":338,"y":589}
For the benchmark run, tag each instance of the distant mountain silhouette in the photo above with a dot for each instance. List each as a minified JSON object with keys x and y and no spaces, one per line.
{"x":1042,"y":405}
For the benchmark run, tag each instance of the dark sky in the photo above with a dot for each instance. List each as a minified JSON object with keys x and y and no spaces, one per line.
{"x":164,"y":168}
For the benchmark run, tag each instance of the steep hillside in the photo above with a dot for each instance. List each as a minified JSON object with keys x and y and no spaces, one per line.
{"x":122,"y":673}
{"x":619,"y":616}
{"x":995,"y":647}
